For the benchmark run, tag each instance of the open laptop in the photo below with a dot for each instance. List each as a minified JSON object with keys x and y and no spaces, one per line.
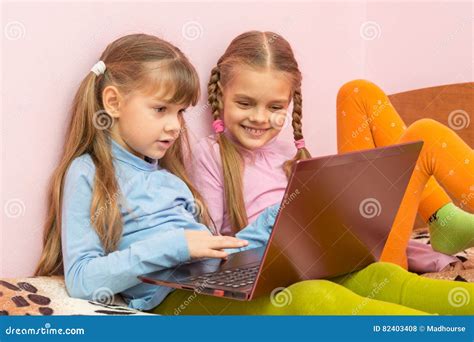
{"x":335,"y":218}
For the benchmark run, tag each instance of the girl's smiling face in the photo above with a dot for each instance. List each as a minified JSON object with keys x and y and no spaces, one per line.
{"x":254,"y":103}
{"x":145,"y":125}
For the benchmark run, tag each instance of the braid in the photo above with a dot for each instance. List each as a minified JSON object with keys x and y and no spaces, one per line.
{"x":259,"y":51}
{"x":214,"y":93}
{"x":297,"y":115}
{"x":232,"y":165}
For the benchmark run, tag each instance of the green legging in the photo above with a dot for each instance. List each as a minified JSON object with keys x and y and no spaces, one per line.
{"x":379,"y":289}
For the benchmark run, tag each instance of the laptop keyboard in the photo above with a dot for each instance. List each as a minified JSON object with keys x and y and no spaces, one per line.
{"x":235,"y":278}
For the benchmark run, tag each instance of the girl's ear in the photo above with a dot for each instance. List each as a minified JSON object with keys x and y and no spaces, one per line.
{"x":111,"y":99}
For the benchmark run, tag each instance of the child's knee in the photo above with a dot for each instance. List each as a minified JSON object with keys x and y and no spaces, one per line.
{"x":387,"y":272}
{"x":423,"y":129}
{"x":382,"y":266}
{"x":354,"y":87}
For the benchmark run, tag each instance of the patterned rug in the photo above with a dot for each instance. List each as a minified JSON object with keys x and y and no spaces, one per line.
{"x":463,"y":273}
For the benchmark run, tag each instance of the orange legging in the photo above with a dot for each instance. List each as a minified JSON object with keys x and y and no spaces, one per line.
{"x":367,"y":119}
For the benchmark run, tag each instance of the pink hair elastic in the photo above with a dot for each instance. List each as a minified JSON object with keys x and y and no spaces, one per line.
{"x":218,"y":126}
{"x":299,"y":144}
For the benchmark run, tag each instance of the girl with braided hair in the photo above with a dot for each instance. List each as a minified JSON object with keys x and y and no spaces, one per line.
{"x":242,"y":169}
{"x":251,"y":88}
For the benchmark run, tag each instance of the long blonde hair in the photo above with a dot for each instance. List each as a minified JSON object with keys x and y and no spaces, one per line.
{"x":130,"y":61}
{"x":258,"y":50}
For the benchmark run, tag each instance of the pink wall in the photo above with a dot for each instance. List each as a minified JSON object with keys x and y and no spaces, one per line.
{"x":421,"y":44}
{"x":48,"y":48}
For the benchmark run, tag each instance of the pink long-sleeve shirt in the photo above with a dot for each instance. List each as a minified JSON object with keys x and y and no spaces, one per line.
{"x":264,"y":180}
{"x":264,"y":183}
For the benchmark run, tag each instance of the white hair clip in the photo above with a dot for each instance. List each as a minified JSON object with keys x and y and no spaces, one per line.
{"x":98,"y":68}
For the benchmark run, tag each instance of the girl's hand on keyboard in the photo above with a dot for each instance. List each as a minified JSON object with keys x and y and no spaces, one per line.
{"x":204,"y":245}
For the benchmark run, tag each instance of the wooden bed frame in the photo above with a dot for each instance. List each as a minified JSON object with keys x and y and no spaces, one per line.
{"x":437,"y":103}
{"x":452,"y":105}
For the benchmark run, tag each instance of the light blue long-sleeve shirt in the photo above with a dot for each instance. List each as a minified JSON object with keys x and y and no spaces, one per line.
{"x":156,"y":208}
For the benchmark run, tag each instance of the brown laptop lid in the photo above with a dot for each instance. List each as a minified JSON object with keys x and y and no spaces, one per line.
{"x":337,"y":214}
